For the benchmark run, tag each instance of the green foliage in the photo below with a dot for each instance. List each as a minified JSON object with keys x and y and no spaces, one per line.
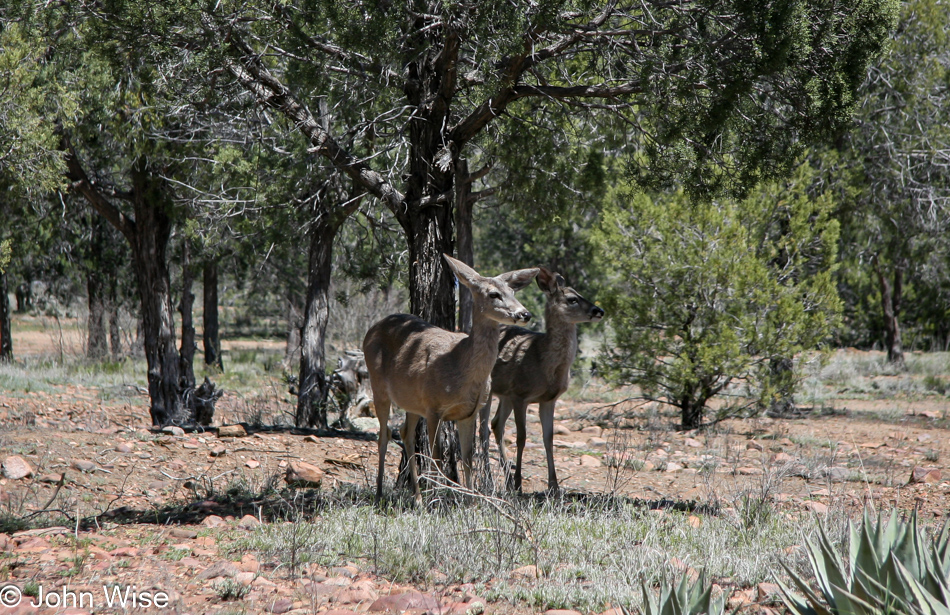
{"x":684,"y":599}
{"x":895,"y":568}
{"x":703,"y":295}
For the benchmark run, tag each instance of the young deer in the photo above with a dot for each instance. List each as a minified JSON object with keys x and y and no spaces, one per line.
{"x":535,"y":368}
{"x":436,"y":374}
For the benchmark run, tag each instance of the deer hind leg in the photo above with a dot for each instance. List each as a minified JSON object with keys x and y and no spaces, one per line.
{"x":408,"y":432}
{"x":521,"y":420}
{"x":498,"y":428}
{"x":546,"y":412}
{"x":382,"y":412}
{"x":466,"y":429}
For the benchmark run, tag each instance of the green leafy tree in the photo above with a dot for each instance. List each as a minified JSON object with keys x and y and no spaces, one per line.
{"x":893,"y":177}
{"x":707,"y":295}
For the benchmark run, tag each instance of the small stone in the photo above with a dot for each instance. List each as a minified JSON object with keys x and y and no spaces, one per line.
{"x":592,"y":430}
{"x":561,"y":430}
{"x":83,"y":465}
{"x":222,"y":568}
{"x":231,"y":431}
{"x":248,"y":522}
{"x":218,"y":451}
{"x":693,"y":443}
{"x":50,"y":478}
{"x":782,"y":458}
{"x":589,"y":461}
{"x":174,"y":430}
{"x":244,"y":578}
{"x":404,"y":602}
{"x":837,"y":474}
{"x":562,"y":443}
{"x":753,"y":446}
{"x":249,"y":563}
{"x":180,"y":532}
{"x":815,"y":507}
{"x":213,"y":521}
{"x":924,"y":475}
{"x":253,"y":464}
{"x":748,"y":471}
{"x":123,"y":448}
{"x":15,"y":468}
{"x":301,"y":474}
{"x":768,"y":592}
{"x":672,"y":467}
{"x":526,"y":573}
{"x":311,"y":439}
{"x":695,"y":521}
{"x":597,"y":442}
{"x":281,"y":605}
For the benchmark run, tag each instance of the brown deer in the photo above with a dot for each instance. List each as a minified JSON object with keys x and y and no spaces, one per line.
{"x":532,"y":368}
{"x":436,"y":374}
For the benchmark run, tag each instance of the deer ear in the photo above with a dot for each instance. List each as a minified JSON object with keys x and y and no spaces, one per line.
{"x":517,"y":280}
{"x":548,"y":281}
{"x":465,"y":274}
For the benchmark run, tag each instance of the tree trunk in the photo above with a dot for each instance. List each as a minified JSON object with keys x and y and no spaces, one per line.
{"x":891,"y":307}
{"x":149,"y":256}
{"x":312,"y":382}
{"x":692,"y":413}
{"x":294,"y":324}
{"x":186,"y":308}
{"x":96,"y":342}
{"x":6,"y":335}
{"x":115,"y":334}
{"x":463,"y":230}
{"x":210,"y":335}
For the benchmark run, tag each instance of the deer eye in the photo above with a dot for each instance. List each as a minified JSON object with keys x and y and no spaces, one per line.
{"x":572,"y":301}
{"x":494,"y":295}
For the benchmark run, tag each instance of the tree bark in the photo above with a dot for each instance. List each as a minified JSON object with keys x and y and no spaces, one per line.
{"x":186,"y":309}
{"x":891,"y":307}
{"x":6,"y":334}
{"x":115,"y":334}
{"x":312,"y":394}
{"x":96,"y":342}
{"x":463,"y":232}
{"x":210,"y":334}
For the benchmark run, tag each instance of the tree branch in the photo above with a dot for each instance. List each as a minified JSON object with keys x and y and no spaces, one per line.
{"x":81,"y":183}
{"x":270,"y":92}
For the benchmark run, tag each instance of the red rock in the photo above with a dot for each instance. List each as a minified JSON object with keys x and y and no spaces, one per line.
{"x":924,"y":475}
{"x":303,"y":474}
{"x":358,"y":593}
{"x":83,"y":465}
{"x":248,"y":522}
{"x":123,"y":448}
{"x":281,"y":605}
{"x":815,"y":507}
{"x":249,"y":563}
{"x":403,"y":602}
{"x":589,"y":461}
{"x":15,"y":467}
{"x":231,"y":431}
{"x":180,"y":532}
{"x":213,"y":521}
{"x":253,"y":464}
{"x":768,"y":592}
{"x":124,"y":552}
{"x":222,"y":568}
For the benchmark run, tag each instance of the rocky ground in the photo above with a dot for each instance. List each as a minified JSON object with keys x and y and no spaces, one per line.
{"x":167,"y":512}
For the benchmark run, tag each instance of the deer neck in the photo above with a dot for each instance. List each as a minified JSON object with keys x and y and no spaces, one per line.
{"x":559,"y":345}
{"x":480,"y":348}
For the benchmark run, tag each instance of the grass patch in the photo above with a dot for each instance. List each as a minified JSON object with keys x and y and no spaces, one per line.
{"x":587,"y":554}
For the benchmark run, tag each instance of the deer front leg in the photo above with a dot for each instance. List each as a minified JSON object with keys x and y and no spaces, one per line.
{"x":432,"y":430}
{"x":546,"y":412}
{"x":521,"y":427}
{"x":498,"y":428}
{"x":408,"y":432}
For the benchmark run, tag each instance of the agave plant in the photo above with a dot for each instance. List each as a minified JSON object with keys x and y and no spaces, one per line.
{"x":894,"y":569}
{"x":684,"y":599}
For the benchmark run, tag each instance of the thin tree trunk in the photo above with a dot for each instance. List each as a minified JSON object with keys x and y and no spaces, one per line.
{"x":312,"y":393}
{"x":210,"y":334}
{"x":115,"y":334}
{"x":463,"y":230}
{"x":186,"y":309}
{"x":890,"y":307}
{"x":96,"y":342}
{"x":6,"y":334}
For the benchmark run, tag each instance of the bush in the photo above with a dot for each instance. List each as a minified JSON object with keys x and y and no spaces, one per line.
{"x":704,"y":295}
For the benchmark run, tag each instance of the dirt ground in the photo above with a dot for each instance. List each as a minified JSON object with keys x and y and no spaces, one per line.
{"x":148,"y":519}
